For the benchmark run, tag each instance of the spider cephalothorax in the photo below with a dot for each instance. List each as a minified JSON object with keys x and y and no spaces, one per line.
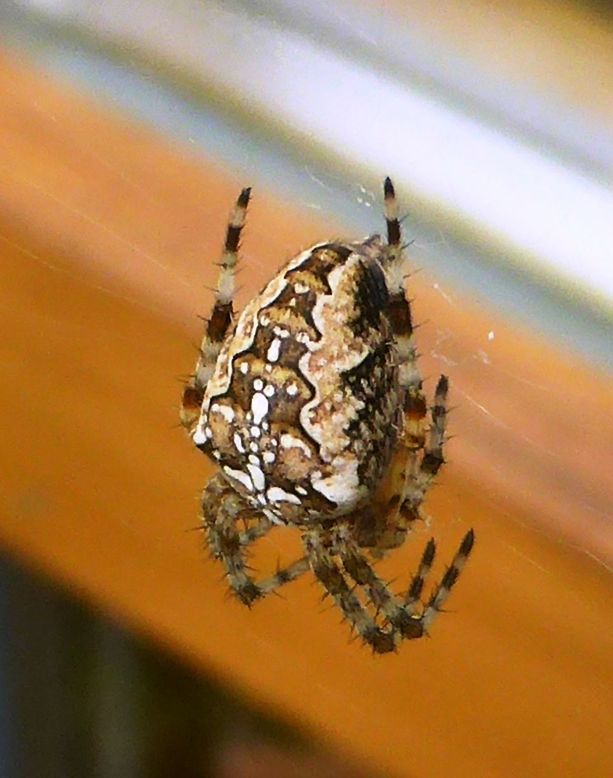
{"x":312,"y":405}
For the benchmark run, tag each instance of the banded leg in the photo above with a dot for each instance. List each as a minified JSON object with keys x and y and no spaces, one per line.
{"x":412,"y":472}
{"x":433,"y":456}
{"x":420,"y":475}
{"x":441,"y":591}
{"x":401,"y":318}
{"x":218,"y":325}
{"x":405,"y":619}
{"x":283,"y":576}
{"x":414,"y":408}
{"x":393,"y":609}
{"x":252,"y":533}
{"x":222,"y":510}
{"x":332,"y":579}
{"x":416,"y":587}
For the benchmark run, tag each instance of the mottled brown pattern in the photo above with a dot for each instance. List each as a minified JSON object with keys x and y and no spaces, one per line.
{"x":315,"y":413}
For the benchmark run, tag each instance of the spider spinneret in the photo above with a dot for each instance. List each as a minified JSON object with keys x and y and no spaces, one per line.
{"x":311,"y":403}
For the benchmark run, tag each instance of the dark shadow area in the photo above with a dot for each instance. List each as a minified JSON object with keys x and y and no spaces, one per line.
{"x":81,"y":696}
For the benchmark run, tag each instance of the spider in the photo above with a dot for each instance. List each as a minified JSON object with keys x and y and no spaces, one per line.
{"x":311,"y":403}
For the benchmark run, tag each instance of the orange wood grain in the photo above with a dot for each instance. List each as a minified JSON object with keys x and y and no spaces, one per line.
{"x":107,"y":238}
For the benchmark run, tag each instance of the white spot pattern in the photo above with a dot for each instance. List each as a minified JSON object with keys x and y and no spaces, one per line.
{"x":257,"y":475}
{"x":259,"y":407}
{"x":239,"y":476}
{"x":273,"y":350}
{"x":225,"y":411}
{"x":276,"y":494}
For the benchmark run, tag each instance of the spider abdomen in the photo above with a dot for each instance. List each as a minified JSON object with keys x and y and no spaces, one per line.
{"x":312,"y":404}
{"x":302,"y":411}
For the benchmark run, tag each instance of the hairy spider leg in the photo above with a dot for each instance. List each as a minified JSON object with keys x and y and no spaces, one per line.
{"x":395,"y":612}
{"x":421,"y":476}
{"x":222,"y":509}
{"x":414,"y":471}
{"x":401,"y":619}
{"x":261,"y":527}
{"x":402,"y":321}
{"x":441,"y":592}
{"x":414,"y":408}
{"x":216,"y":328}
{"x":419,"y":458}
{"x":329,"y":574}
{"x":413,"y":596}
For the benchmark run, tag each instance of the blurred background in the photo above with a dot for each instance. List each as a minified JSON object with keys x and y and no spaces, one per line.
{"x":126,"y":130}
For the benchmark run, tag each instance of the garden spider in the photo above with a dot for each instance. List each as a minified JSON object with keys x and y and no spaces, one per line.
{"x":312,"y":405}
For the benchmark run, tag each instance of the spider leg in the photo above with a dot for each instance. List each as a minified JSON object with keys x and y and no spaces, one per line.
{"x":216,"y":328}
{"x":331,"y":577}
{"x":282,"y":576}
{"x":257,"y":531}
{"x":402,"y":620}
{"x":397,"y":613}
{"x":420,"y":475}
{"x":414,"y":404}
{"x":412,"y":597}
{"x":418,"y":459}
{"x":433,"y":451}
{"x":222,"y":509}
{"x":399,"y":505}
{"x":411,"y":484}
{"x":442,"y":590}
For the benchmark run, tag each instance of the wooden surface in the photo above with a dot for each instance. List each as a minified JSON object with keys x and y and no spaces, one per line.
{"x":107,"y":238}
